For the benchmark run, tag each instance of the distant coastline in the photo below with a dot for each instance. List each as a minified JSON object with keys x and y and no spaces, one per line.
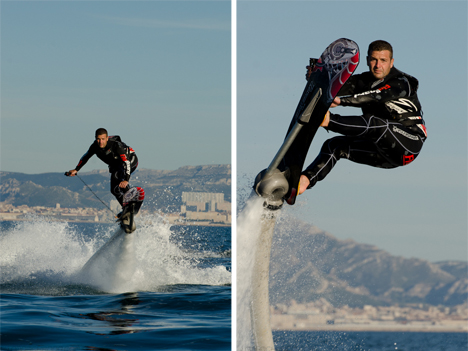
{"x":322,"y":316}
{"x":9,"y":212}
{"x":390,"y":327}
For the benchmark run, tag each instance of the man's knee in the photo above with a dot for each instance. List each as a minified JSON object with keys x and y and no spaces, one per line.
{"x":337,"y":146}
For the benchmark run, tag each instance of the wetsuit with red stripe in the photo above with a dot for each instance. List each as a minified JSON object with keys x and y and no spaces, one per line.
{"x":120,"y":158}
{"x":389,"y":133}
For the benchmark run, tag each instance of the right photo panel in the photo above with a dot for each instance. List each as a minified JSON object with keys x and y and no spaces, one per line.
{"x":351,"y":176}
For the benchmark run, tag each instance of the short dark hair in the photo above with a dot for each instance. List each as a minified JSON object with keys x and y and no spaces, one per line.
{"x":101,"y":131}
{"x":380,"y":45}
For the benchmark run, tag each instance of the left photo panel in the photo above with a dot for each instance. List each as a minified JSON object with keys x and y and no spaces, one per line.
{"x":115,"y":208}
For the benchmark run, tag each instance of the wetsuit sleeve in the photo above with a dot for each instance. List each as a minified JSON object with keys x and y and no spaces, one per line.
{"x":123,"y":155}
{"x":394,"y":88}
{"x":86,"y":157}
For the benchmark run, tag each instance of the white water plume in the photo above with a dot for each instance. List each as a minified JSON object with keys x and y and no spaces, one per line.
{"x":254,"y":226}
{"x":113,"y":265}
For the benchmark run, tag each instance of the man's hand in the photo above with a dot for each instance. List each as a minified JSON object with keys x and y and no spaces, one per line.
{"x":71,"y":173}
{"x":336,"y":102}
{"x":123,"y":184}
{"x":303,"y":184}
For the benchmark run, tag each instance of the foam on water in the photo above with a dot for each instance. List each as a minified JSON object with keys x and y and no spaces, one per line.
{"x":43,"y":257}
{"x":39,"y":247}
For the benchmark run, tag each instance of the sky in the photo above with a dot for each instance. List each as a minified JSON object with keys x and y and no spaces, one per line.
{"x":419,"y":210}
{"x":157,"y":73}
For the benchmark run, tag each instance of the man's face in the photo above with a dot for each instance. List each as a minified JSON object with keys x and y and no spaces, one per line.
{"x":102,"y":140}
{"x":380,"y":63}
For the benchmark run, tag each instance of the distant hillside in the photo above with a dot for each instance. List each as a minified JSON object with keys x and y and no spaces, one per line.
{"x":308,"y":264}
{"x":163,"y":188}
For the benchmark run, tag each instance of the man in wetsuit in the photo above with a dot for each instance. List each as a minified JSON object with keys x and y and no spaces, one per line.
{"x":121,"y":159}
{"x":390,"y":132}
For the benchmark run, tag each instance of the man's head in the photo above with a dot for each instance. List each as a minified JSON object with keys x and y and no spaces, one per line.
{"x":102,"y":137}
{"x":380,"y":58}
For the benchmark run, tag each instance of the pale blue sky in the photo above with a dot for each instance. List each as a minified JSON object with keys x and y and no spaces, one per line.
{"x":157,"y":73}
{"x":415,"y":211}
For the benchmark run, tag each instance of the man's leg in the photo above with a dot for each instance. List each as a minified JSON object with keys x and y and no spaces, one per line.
{"x":370,"y":140}
{"x":117,"y":176}
{"x":387,"y":134}
{"x":354,"y":149}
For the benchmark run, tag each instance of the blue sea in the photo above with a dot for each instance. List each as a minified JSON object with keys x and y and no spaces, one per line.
{"x":162,"y":287}
{"x":369,"y":341}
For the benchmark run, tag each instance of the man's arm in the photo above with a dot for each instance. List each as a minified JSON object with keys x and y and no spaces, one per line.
{"x":394,"y":88}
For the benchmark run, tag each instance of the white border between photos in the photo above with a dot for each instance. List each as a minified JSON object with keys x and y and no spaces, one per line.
{"x":233,"y":173}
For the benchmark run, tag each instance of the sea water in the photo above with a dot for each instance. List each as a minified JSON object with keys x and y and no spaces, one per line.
{"x":162,"y":287}
{"x":369,"y":341}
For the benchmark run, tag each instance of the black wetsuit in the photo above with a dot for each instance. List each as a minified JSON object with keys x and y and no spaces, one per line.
{"x":390,"y":133}
{"x":121,"y":159}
